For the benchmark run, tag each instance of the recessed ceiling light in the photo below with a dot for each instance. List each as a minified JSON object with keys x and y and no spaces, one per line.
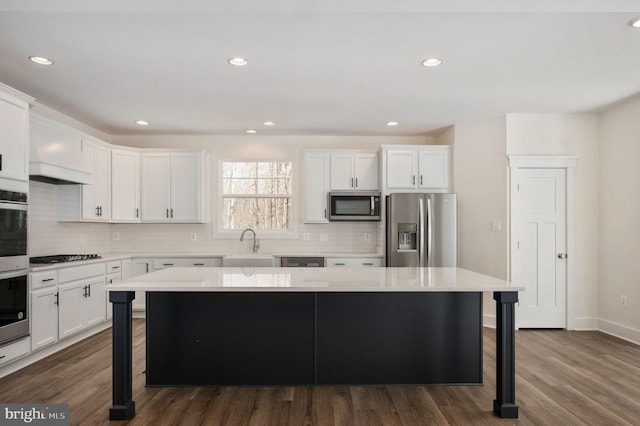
{"x":40,"y":60}
{"x":431,"y":62}
{"x":392,"y":123}
{"x":251,"y":131}
{"x":238,"y":61}
{"x":635,"y":22}
{"x":269,"y":123}
{"x":142,"y":123}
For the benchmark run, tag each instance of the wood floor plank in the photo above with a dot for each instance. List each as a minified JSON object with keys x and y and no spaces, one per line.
{"x":561,"y":378}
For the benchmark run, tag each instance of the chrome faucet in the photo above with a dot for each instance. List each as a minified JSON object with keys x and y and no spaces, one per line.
{"x":256,"y":242}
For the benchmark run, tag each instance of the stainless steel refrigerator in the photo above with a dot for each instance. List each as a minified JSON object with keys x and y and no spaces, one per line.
{"x":421,"y":230}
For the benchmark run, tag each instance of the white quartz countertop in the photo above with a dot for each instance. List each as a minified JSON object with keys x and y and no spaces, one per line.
{"x":197,"y":279}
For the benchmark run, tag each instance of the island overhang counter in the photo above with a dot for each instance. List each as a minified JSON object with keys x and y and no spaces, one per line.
{"x":313,"y":326}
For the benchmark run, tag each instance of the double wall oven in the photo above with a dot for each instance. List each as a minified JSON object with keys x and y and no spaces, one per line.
{"x":14,"y":266}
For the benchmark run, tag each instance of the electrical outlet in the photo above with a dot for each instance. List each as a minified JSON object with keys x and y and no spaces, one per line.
{"x":194,"y":236}
{"x":496,"y":225}
{"x":116,"y":236}
{"x":623,"y":300}
{"x":306,"y":236}
{"x":323,"y":237}
{"x":367,"y":236}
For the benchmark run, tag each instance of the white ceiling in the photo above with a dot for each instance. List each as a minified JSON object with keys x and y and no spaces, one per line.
{"x":317,"y":67}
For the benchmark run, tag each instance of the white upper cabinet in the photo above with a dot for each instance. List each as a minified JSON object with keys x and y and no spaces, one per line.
{"x":125,"y":185}
{"x":96,"y":197}
{"x":172,"y":186}
{"x":14,"y":135}
{"x":354,"y":171}
{"x":316,"y":186}
{"x":420,"y":168}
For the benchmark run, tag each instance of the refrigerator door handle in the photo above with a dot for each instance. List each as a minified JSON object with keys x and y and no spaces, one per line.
{"x":430,"y":232}
{"x":421,"y":232}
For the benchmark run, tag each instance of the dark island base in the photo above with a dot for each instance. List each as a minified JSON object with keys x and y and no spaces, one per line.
{"x":240,"y":338}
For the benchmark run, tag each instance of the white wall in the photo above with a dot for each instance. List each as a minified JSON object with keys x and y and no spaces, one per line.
{"x":620,"y":219}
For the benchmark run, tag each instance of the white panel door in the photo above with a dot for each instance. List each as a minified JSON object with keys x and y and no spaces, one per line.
{"x":125,"y":186}
{"x":185,"y":187}
{"x":316,"y":187}
{"x":71,"y":302}
{"x":155,"y":187}
{"x":44,"y":317}
{"x":401,"y":169}
{"x":366,"y":171}
{"x":540,"y":202}
{"x":342,"y":173}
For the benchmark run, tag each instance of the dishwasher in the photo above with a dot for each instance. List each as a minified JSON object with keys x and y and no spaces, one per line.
{"x":300,"y":262}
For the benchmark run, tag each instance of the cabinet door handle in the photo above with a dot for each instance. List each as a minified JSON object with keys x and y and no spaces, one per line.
{"x":352,"y":182}
{"x":89,"y":291}
{"x":167,"y":264}
{"x":171,"y":213}
{"x":47,"y":280}
{"x":84,"y":293}
{"x":356,"y":182}
{"x":368,"y":264}
{"x":97,"y":211}
{"x":147,"y":267}
{"x":2,"y":356}
{"x":56,"y":300}
{"x":339,"y":264}
{"x":115,"y":267}
{"x":198,"y":264}
{"x":420,"y":179}
{"x":325,"y":213}
{"x":137,"y":212}
{"x":413,"y":180}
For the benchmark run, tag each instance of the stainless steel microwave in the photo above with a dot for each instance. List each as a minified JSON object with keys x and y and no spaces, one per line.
{"x":354,"y":206}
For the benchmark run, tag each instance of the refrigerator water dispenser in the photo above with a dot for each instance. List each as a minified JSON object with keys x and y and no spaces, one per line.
{"x":407,"y":236}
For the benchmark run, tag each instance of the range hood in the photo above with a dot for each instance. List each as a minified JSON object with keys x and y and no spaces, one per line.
{"x":57,"y":175}
{"x":56,"y":154}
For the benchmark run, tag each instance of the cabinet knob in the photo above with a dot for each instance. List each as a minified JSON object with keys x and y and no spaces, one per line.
{"x":562,"y":255}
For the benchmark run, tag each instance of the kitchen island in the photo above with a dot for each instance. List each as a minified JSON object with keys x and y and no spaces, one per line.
{"x":313,"y":326}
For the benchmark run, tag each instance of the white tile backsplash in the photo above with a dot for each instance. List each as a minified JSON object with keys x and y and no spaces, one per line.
{"x":48,"y":236}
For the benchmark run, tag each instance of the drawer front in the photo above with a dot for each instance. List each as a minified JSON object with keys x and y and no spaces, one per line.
{"x":114,"y":266}
{"x":75,"y":273}
{"x":43,"y":279}
{"x":167,"y":262}
{"x":14,"y":350}
{"x":353,"y":261}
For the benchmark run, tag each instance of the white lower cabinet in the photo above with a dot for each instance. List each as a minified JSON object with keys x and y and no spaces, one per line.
{"x":44,"y":317}
{"x":140,"y":266}
{"x":82,"y":305}
{"x":353,"y":261}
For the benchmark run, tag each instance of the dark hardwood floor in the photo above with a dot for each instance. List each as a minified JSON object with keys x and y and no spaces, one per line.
{"x":563,"y":378}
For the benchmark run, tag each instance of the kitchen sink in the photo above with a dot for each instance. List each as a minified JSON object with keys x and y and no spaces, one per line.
{"x":244,"y":260}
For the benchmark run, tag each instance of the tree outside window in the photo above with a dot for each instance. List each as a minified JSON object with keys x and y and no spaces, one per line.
{"x":256,"y":195}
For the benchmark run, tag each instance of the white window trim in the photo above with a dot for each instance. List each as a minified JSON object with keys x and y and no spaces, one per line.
{"x":220,"y":233}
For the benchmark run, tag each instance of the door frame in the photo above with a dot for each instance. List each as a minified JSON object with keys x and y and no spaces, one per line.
{"x":568,"y":163}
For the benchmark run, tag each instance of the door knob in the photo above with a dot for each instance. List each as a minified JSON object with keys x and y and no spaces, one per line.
{"x":562,"y":255}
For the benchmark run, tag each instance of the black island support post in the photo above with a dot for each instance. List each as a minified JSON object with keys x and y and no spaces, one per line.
{"x":124,"y":407}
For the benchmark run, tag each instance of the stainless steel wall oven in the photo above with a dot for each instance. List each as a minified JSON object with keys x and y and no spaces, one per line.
{"x":14,"y":266}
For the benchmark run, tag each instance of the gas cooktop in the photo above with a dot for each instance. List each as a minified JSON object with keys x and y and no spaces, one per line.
{"x":61,"y":258}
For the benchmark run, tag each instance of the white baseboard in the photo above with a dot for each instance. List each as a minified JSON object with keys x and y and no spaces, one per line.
{"x":584,"y":324}
{"x":620,"y":331}
{"x":489,"y":321}
{"x":39,"y":354}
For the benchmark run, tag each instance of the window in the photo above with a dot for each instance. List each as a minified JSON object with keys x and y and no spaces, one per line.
{"x":256,"y":195}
